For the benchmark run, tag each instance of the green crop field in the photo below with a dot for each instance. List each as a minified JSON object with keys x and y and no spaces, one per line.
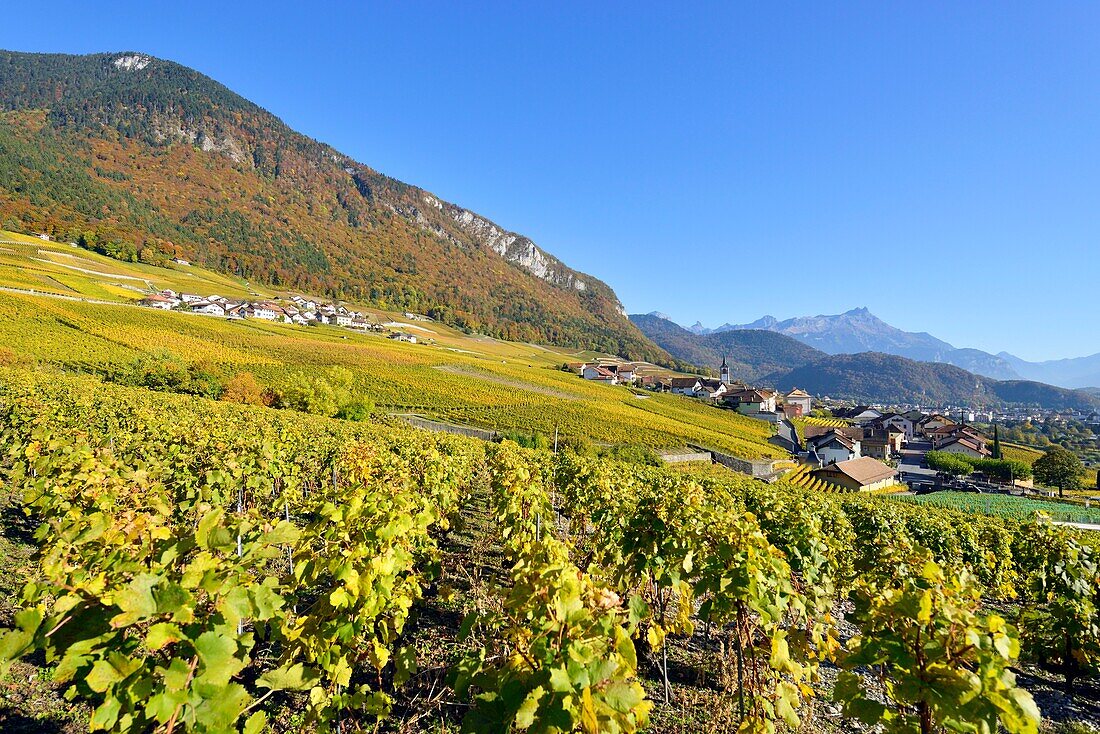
{"x":1000,"y":505}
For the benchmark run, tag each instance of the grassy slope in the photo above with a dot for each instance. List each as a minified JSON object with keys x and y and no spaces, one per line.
{"x":466,"y":379}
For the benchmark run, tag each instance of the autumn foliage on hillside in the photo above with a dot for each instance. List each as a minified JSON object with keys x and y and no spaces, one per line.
{"x":160,"y":161}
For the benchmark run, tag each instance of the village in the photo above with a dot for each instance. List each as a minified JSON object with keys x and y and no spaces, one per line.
{"x":298,"y":310}
{"x":851,"y":447}
{"x":858,"y":448}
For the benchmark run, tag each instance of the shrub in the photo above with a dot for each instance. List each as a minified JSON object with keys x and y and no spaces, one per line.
{"x":243,"y":388}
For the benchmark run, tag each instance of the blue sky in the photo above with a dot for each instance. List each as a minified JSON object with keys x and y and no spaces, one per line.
{"x":935,"y":163}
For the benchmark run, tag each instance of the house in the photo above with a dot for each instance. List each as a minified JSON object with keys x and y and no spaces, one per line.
{"x":856,"y":475}
{"x":599,"y":374}
{"x":624,"y":372}
{"x":930,"y":423}
{"x":864,"y":414}
{"x":180,"y":261}
{"x":711,"y":389}
{"x":266,"y":310}
{"x":832,"y":448}
{"x":947,"y":434}
{"x":751,"y":400}
{"x":882,"y":443}
{"x":206,"y":307}
{"x":655,"y":382}
{"x":343,"y":319}
{"x":800,"y":398}
{"x":403,"y":337}
{"x":792,"y":410}
{"x":157,"y":300}
{"x":966,"y":445}
{"x":44,"y":237}
{"x":191,"y":297}
{"x":852,"y":433}
{"x":685,"y":385}
{"x":899,"y":421}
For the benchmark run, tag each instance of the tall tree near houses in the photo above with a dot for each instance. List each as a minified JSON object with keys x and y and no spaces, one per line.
{"x":996,"y":443}
{"x":1060,"y":468}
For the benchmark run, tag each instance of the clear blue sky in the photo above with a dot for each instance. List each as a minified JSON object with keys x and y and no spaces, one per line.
{"x":938,"y":164}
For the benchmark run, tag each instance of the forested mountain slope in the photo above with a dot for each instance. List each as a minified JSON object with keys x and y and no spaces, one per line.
{"x":877,"y":377}
{"x":148,"y":159}
{"x":750,"y":353}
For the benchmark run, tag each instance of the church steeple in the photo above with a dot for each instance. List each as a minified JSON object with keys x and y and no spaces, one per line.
{"x":724,"y":372}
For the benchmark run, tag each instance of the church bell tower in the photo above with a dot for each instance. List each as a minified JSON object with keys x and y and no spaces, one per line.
{"x":724,"y":372}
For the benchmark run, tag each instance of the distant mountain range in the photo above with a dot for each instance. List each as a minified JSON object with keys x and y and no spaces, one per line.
{"x":750,"y":353}
{"x":859,"y":330}
{"x":770,"y":357}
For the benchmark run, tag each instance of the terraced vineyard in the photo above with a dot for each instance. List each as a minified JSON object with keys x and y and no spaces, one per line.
{"x":800,"y":477}
{"x":459,"y":378}
{"x":63,"y":269}
{"x":829,"y":422}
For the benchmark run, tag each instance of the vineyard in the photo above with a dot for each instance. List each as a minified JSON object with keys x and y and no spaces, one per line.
{"x":827,"y":422}
{"x":59,"y":268}
{"x":462,"y":379}
{"x":1019,"y":508}
{"x":800,"y":477}
{"x":209,"y":567}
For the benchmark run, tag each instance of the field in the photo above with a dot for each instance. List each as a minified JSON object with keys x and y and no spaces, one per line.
{"x":1028,"y":455}
{"x":464,"y":379}
{"x":63,"y":269}
{"x":999,"y":505}
{"x":202,"y":566}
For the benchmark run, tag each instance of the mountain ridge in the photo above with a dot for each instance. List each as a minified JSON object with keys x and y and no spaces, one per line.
{"x":159,"y":160}
{"x":864,"y":376}
{"x":858,"y":330}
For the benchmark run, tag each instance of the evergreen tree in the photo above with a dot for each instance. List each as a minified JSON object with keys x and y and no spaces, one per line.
{"x":996,"y":443}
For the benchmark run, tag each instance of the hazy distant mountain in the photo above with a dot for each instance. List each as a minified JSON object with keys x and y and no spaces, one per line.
{"x":859,"y":330}
{"x":770,"y":358}
{"x":1077,"y":372}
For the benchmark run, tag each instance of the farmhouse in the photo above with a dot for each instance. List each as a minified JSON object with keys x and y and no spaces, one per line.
{"x":685,"y":385}
{"x":599,"y":374}
{"x":267,"y":310}
{"x":832,"y":447}
{"x":206,"y":307}
{"x":751,"y":400}
{"x":800,"y":398}
{"x":862,"y":474}
{"x":156,"y":300}
{"x":966,"y":445}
